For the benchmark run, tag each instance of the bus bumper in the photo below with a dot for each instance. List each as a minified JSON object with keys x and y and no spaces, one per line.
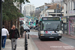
{"x":50,"y":36}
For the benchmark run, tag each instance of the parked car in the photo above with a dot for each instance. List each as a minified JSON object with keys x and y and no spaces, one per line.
{"x":32,"y":27}
{"x":26,"y":28}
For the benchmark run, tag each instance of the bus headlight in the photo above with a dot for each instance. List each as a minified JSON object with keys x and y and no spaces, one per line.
{"x":60,"y":32}
{"x":42,"y":32}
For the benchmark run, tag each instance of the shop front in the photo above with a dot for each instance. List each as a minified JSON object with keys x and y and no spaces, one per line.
{"x":65,"y":25}
{"x":72,"y":25}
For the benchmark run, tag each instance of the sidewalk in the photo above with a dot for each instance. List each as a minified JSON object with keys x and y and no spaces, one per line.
{"x":20,"y":44}
{"x":69,"y":36}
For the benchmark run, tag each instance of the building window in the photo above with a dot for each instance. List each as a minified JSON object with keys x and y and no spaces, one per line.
{"x":57,"y":11}
{"x":74,"y":5}
{"x":48,"y":6}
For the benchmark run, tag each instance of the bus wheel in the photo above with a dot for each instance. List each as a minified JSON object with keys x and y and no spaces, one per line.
{"x":39,"y":36}
{"x":57,"y":39}
{"x":41,"y":39}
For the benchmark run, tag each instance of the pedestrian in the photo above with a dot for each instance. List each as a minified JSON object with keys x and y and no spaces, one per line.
{"x":21,"y":31}
{"x":4,"y":36}
{"x":13,"y":35}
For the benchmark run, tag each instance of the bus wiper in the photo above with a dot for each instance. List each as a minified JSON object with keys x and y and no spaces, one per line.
{"x":48,"y":28}
{"x":54,"y":30}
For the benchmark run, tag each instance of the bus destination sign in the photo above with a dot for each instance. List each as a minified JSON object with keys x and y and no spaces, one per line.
{"x":51,"y":18}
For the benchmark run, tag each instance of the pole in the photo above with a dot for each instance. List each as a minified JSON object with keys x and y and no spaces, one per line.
{"x":44,"y":11}
{"x":28,"y":36}
{"x":0,"y":22}
{"x":61,"y":8}
{"x":26,"y":42}
{"x":56,"y":11}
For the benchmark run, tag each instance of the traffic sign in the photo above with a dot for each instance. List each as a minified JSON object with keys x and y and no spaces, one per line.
{"x":21,"y":19}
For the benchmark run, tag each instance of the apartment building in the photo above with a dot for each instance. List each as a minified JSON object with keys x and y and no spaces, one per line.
{"x":51,"y":10}
{"x":27,"y":9}
{"x":69,"y":12}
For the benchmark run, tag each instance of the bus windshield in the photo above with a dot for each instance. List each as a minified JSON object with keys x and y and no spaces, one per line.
{"x":50,"y":25}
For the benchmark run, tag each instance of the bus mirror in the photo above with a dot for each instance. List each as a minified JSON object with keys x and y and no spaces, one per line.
{"x":61,"y":21}
{"x":40,"y":22}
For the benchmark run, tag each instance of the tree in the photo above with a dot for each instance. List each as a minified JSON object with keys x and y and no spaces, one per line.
{"x":10,"y":13}
{"x":32,"y":13}
{"x":22,"y":1}
{"x":37,"y":12}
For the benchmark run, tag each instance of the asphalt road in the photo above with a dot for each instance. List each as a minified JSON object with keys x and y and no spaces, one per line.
{"x":68,"y":41}
{"x":46,"y":43}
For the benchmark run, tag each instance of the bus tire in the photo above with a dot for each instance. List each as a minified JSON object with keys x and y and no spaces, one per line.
{"x":58,"y":39}
{"x":39,"y":37}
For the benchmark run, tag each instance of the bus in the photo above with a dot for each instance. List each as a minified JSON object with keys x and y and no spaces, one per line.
{"x":50,"y":27}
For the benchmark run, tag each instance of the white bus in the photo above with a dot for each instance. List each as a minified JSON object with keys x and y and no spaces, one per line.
{"x":50,"y":27}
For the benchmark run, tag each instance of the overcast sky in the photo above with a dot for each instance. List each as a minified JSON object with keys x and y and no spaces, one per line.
{"x":38,"y":3}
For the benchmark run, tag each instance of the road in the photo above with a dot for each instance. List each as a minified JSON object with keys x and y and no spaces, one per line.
{"x":68,"y":41}
{"x":51,"y":44}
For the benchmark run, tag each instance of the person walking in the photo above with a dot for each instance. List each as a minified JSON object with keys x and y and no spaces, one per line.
{"x":21,"y":31}
{"x":13,"y":35}
{"x":4,"y":36}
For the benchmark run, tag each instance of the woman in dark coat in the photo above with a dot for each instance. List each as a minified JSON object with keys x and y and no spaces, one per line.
{"x":21,"y":31}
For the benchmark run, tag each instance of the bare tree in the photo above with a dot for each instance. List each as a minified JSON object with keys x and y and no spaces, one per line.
{"x":35,"y":13}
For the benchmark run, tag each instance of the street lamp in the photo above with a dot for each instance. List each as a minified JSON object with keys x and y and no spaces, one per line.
{"x":1,"y":22}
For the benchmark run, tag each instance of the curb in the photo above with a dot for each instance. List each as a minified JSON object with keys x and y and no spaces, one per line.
{"x":34,"y":45}
{"x":68,"y":37}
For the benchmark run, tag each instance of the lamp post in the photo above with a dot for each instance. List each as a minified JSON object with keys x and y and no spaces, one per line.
{"x":0,"y":22}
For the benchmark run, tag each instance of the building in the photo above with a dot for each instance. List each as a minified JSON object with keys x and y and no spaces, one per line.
{"x":69,"y":12}
{"x":27,"y":9}
{"x":51,"y":10}
{"x":54,"y":9}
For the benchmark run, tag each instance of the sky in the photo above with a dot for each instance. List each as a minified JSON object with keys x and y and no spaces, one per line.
{"x":37,"y":3}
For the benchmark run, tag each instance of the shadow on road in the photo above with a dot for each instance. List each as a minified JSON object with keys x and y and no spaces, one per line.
{"x":48,"y":39}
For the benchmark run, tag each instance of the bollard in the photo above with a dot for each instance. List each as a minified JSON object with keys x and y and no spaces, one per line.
{"x":26,"y":44}
{"x":28,"y":36}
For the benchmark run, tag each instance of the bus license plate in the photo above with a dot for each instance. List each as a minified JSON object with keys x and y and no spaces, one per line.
{"x":51,"y":37}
